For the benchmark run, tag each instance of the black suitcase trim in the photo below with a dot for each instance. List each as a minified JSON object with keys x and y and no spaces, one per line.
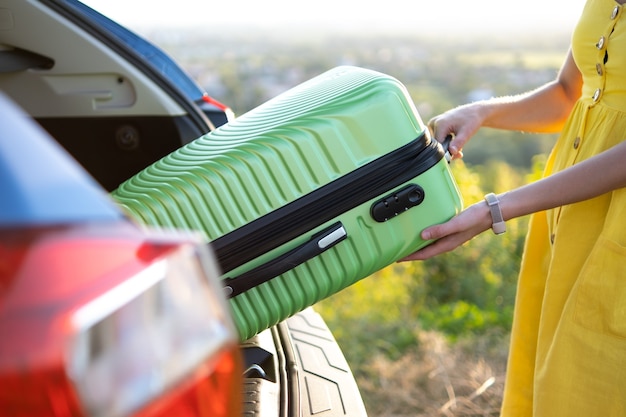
{"x":319,"y":243}
{"x":326,"y":203}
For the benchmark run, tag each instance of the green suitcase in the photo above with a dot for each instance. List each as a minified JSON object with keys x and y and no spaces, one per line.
{"x":304,"y":195}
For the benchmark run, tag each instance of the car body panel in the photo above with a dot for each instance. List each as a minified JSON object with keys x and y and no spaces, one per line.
{"x":49,"y":188}
{"x":116,"y":102}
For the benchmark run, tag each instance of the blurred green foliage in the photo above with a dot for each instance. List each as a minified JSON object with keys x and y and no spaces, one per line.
{"x":469,"y":291}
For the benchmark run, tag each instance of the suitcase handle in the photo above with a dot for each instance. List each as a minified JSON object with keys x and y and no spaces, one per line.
{"x":318,"y":243}
{"x":445,"y":144}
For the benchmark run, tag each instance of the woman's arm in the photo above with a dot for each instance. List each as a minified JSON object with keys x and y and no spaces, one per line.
{"x":543,"y":110}
{"x":597,"y":175}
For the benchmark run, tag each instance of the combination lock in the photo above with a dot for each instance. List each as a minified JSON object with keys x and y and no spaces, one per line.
{"x":397,"y":203}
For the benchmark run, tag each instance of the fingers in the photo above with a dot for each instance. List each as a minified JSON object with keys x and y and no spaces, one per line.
{"x":462,"y":123}
{"x":441,"y":131}
{"x":434,"y":249}
{"x":447,"y":236}
{"x":437,"y":231}
{"x":454,"y":233}
{"x":455,"y":151}
{"x":445,"y":244}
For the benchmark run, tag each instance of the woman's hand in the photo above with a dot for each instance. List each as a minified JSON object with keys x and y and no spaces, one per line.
{"x":543,"y":110}
{"x":452,"y":234}
{"x":587,"y":179}
{"x":461,"y":123}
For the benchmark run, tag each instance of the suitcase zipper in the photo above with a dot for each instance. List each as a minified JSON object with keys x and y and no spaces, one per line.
{"x":326,"y":203}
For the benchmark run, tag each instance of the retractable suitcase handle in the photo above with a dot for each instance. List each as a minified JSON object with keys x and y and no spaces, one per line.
{"x":445,"y":144}
{"x":319,"y":243}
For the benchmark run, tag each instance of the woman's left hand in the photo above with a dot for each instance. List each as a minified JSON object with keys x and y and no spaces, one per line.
{"x":452,"y":234}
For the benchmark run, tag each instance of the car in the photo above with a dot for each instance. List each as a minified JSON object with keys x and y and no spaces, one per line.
{"x":86,"y":104}
{"x":99,"y":317}
{"x":113,"y":100}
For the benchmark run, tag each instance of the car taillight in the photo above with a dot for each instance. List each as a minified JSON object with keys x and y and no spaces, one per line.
{"x":106,"y":322}
{"x":208,"y":99}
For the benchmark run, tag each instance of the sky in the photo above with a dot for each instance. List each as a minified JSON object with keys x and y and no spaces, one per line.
{"x":495,"y":17}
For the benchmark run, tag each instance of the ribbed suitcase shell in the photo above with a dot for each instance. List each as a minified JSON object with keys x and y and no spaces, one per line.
{"x":289,"y":147}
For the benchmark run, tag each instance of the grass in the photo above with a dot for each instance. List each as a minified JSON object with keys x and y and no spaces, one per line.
{"x":437,"y":378}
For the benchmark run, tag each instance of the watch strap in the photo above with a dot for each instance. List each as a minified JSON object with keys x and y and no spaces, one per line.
{"x":497,"y":221}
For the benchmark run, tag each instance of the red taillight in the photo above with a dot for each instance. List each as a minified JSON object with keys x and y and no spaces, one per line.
{"x":105,"y":322}
{"x":208,"y":99}
{"x":222,"y":385}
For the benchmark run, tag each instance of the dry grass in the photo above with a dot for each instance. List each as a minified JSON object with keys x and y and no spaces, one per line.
{"x":436,"y":380}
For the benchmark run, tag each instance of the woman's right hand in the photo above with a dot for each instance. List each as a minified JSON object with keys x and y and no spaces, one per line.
{"x":461,"y":123}
{"x":543,"y":110}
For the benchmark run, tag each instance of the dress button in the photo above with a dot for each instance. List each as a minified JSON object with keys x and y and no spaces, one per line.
{"x":577,"y":142}
{"x":596,"y":95}
{"x":600,"y":43}
{"x":615,"y":12}
{"x":599,"y":69}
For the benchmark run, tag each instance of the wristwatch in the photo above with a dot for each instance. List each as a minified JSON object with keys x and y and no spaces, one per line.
{"x":497,"y":221}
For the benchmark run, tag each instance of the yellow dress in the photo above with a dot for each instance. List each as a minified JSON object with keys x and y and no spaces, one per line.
{"x":568,"y":343}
